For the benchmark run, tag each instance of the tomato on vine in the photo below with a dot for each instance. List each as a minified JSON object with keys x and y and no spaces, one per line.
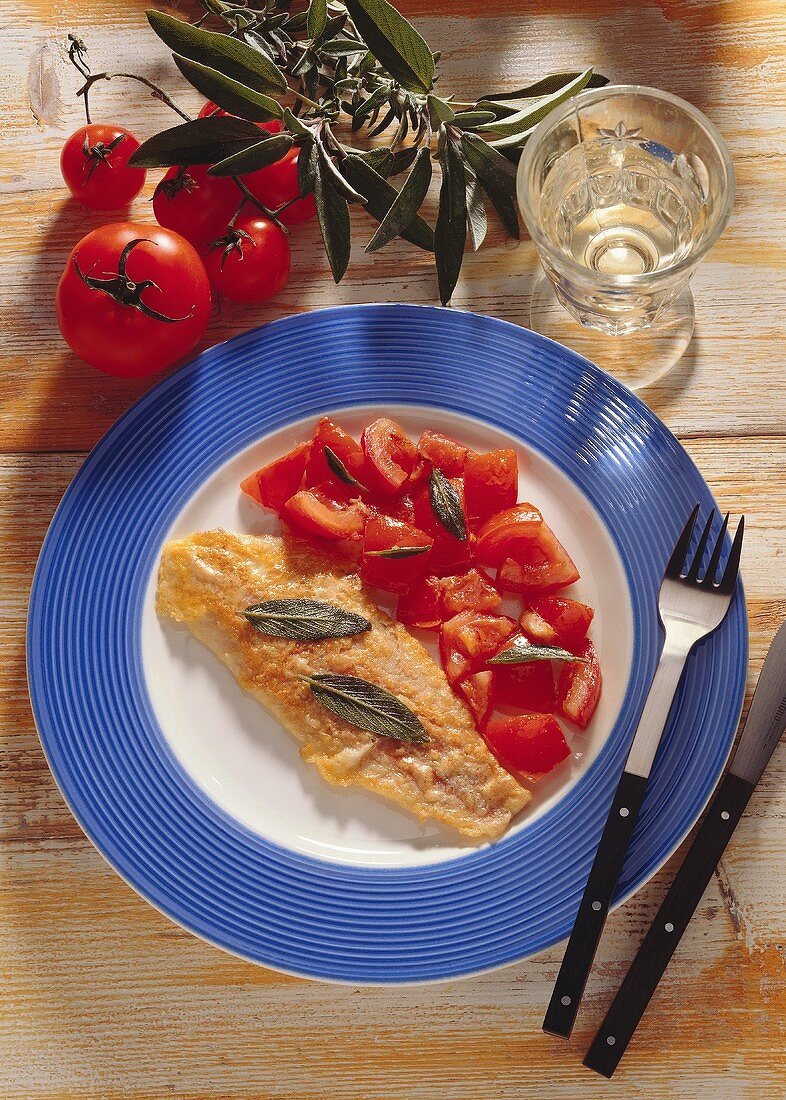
{"x":251,"y":262}
{"x":94,"y":163}
{"x":195,"y":204}
{"x":133,"y":299}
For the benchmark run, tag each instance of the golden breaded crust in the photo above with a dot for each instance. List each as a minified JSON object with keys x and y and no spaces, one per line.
{"x":207,"y":579}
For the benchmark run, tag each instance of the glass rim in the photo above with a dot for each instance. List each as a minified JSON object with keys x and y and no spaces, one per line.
{"x":591,"y":95}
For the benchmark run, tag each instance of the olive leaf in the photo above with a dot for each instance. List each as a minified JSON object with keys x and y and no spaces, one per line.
{"x":304,"y":620}
{"x":254,"y":157}
{"x":339,"y":469}
{"x":203,"y":141}
{"x":380,"y":196}
{"x":221,"y":52}
{"x":367,"y":706}
{"x":229,"y":94}
{"x":333,"y":216}
{"x":489,"y":165}
{"x":523,"y":652}
{"x":394,"y":42}
{"x":527,"y":118}
{"x":451,"y":231}
{"x":447,"y":505}
{"x":395,"y":552}
{"x":316,"y":18}
{"x":406,"y":204}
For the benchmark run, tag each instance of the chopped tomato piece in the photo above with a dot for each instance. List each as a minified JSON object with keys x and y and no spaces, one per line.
{"x":525,"y":687}
{"x":532,"y":744}
{"x":538,"y":568}
{"x":274,"y":484}
{"x":443,"y":452}
{"x":579,"y":687}
{"x":506,"y":533}
{"x":569,"y":618}
{"x":316,"y":512}
{"x":391,"y":454}
{"x":469,"y":639}
{"x":472,"y":591}
{"x":477,"y":693}
{"x":419,"y":606}
{"x":391,"y":573}
{"x":537,"y":629}
{"x":343,"y":446}
{"x":492,"y":483}
{"x":448,"y":554}
{"x":401,"y":508}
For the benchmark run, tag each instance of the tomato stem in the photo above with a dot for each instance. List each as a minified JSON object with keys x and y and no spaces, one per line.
{"x":158,"y":93}
{"x":248,"y":197}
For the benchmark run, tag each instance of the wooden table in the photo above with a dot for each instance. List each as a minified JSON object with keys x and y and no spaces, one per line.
{"x":103,"y":996}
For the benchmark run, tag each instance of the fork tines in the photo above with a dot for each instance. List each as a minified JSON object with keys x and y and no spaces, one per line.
{"x":678,"y":568}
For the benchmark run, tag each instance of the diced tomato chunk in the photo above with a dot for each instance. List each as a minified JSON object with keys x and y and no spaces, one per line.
{"x":316,"y":512}
{"x":472,"y":591}
{"x":569,"y":618}
{"x":279,"y":480}
{"x":538,"y":568}
{"x":492,"y":483}
{"x":506,"y":533}
{"x":579,"y":687}
{"x":526,"y":687}
{"x":394,"y":574}
{"x":532,"y":744}
{"x":391,"y":454}
{"x":419,"y":605}
{"x":343,"y":446}
{"x":469,"y":639}
{"x":448,"y":554}
{"x":443,"y":452}
{"x":476,"y":690}
{"x":401,"y":507}
{"x":537,"y":629}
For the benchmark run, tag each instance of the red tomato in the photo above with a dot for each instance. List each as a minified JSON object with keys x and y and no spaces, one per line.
{"x":492,"y":483}
{"x":448,"y":554}
{"x":390,"y":453}
{"x":401,"y":507}
{"x":503,"y":535}
{"x":250,"y":264}
{"x":328,"y":434}
{"x":443,"y":452}
{"x":537,"y":629}
{"x":532,"y":744}
{"x":132,"y":299}
{"x":525,"y":687}
{"x":569,"y":618}
{"x":419,"y":606}
{"x":538,"y":568}
{"x":468,"y":640}
{"x":277,"y":184}
{"x":393,"y":574}
{"x":477,"y":691}
{"x":579,"y":687}
{"x":472,"y":591}
{"x":275,"y":483}
{"x":195,"y":204}
{"x":94,"y":163}
{"x":316,"y":512}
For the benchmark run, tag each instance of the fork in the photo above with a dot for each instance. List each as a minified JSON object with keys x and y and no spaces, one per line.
{"x":690,"y":608}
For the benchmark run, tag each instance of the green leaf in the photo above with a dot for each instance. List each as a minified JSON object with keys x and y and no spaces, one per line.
{"x":406,"y":204}
{"x":305,"y":168}
{"x":255,"y":157}
{"x":398,"y":552}
{"x":402,"y":159}
{"x":225,"y":54}
{"x":230,"y":94}
{"x":531,"y":115}
{"x":470,"y":120}
{"x":548,"y":85}
{"x":339,"y":469}
{"x":439,"y":111}
{"x":523,"y":652}
{"x":343,"y":47}
{"x":489,"y":165}
{"x":317,"y":18}
{"x":451,"y":232}
{"x":294,"y":125}
{"x":394,"y":42}
{"x":506,"y":210}
{"x":380,"y":196}
{"x":203,"y":141}
{"x":305,"y":620}
{"x":447,"y":505}
{"x":477,"y":222}
{"x":367,"y":706}
{"x":333,"y":215}
{"x":336,"y":179}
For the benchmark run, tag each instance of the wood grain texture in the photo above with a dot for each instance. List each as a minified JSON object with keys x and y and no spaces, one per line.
{"x":104,"y":997}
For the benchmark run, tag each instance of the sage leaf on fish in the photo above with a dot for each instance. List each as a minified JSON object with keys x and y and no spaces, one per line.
{"x":367,"y":706}
{"x":304,"y":620}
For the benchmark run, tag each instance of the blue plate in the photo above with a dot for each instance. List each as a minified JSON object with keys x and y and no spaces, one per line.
{"x":198,"y":864}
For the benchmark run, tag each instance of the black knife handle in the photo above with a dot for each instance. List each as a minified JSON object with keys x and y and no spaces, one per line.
{"x":665,"y":933}
{"x":598,"y":895}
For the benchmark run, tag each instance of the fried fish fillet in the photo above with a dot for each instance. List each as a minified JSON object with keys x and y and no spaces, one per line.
{"x":207,"y":579}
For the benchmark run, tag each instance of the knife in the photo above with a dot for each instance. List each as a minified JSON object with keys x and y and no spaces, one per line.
{"x":761,"y":733}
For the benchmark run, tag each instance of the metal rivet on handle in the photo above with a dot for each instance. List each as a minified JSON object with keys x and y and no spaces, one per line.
{"x":611,"y":1040}
{"x":669,"y":926}
{"x":596,"y":906}
{"x":624,"y":811}
{"x":565,"y":1000}
{"x":725,"y":815}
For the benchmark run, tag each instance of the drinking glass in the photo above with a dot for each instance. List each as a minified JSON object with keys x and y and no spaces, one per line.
{"x":624,"y":189}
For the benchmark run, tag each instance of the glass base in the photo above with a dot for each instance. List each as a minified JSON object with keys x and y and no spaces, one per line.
{"x":636,"y":360}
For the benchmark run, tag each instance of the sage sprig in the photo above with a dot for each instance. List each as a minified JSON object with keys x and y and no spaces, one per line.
{"x":367,"y":706}
{"x":304,"y":620}
{"x":523,"y":652}
{"x":447,"y":505}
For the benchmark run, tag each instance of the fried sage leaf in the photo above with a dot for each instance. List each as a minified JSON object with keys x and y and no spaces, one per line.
{"x":367,"y":706}
{"x":398,"y":552}
{"x":339,"y":469}
{"x":447,"y":505}
{"x":523,"y":652}
{"x":304,"y":620}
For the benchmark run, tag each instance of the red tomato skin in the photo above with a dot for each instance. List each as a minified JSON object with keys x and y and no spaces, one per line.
{"x":100,"y":185}
{"x":531,"y":744}
{"x":316,"y":513}
{"x":419,"y":606}
{"x":260,"y":269}
{"x":274,"y":484}
{"x":525,"y":687}
{"x":472,"y":591}
{"x":392,"y":574}
{"x":569,"y":619}
{"x":119,"y":339}
{"x":442,"y":452}
{"x":469,"y":639}
{"x":491,"y":482}
{"x":501,"y":535}
{"x":277,"y":184}
{"x":539,"y":568}
{"x":579,"y":687}
{"x":448,"y":554}
{"x":342,"y":444}
{"x":537,"y":629}
{"x":477,"y":692}
{"x":199,"y":206}
{"x":390,"y":455}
